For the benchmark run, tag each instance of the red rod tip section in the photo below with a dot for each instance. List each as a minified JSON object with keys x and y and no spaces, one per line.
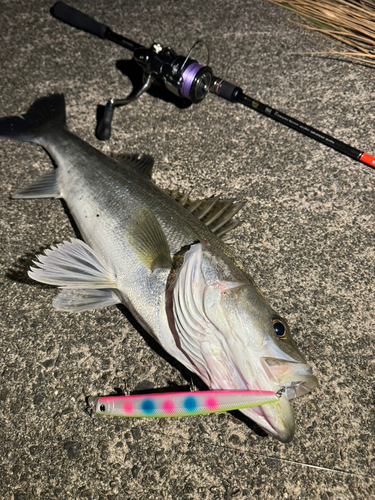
{"x":368,"y":159}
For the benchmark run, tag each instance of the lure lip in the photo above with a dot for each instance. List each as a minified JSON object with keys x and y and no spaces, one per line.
{"x":91,"y":404}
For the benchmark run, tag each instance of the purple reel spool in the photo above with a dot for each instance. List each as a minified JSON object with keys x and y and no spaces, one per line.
{"x":196,"y":82}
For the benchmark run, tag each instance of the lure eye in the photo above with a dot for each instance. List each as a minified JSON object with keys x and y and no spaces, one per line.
{"x":102,"y":408}
{"x":280,"y":327}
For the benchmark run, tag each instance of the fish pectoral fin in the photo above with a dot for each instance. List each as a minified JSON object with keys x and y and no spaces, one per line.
{"x":44,"y":187}
{"x":142,"y":163}
{"x":73,"y":264}
{"x":85,"y":299}
{"x":146,"y":237}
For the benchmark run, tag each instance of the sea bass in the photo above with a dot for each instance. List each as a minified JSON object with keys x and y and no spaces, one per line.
{"x":163,"y":258}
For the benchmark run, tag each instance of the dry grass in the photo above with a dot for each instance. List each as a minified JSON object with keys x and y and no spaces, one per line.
{"x":349,"y":21}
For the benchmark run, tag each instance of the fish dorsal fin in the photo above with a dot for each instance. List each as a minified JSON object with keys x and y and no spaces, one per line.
{"x":142,"y":163}
{"x":73,"y":264}
{"x":44,"y":187}
{"x":215,"y":212}
{"x":148,"y":241}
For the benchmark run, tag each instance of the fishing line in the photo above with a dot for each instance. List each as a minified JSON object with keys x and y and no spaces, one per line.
{"x":284,"y":460}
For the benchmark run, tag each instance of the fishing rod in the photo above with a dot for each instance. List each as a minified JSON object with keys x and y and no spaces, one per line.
{"x":188,"y":80}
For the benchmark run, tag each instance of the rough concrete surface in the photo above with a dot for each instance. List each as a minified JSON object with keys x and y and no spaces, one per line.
{"x":307,"y":240}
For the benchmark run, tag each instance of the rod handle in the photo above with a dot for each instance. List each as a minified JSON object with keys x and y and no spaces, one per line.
{"x":78,"y":19}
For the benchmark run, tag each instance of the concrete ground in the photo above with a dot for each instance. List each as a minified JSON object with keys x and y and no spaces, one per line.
{"x":307,"y":240}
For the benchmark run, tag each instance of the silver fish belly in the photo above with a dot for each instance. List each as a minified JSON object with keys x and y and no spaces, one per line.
{"x":163,"y":257}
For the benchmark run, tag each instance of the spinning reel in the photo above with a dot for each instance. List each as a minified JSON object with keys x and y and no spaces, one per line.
{"x":183,"y":77}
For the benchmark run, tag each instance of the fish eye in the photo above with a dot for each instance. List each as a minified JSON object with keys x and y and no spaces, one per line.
{"x":280,"y":327}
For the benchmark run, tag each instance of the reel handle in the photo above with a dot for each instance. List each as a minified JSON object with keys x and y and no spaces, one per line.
{"x":103,"y":131}
{"x":78,"y":19}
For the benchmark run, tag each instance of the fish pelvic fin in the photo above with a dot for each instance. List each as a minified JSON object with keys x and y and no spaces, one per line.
{"x":215,"y":212}
{"x":148,"y":241}
{"x":86,"y":299}
{"x":44,"y":187}
{"x":73,"y":264}
{"x":32,"y":125}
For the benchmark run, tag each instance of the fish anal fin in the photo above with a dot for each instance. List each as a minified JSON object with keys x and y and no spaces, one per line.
{"x":148,"y":241}
{"x":73,"y":264}
{"x":78,"y":300}
{"x":215,"y":212}
{"x":44,"y":187}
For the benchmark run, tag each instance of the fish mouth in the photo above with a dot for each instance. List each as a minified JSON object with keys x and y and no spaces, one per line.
{"x":292,"y":379}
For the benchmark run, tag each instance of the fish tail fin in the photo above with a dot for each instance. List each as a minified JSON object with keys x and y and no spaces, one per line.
{"x":43,"y":114}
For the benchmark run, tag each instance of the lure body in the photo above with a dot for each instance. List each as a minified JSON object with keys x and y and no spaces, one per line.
{"x":179,"y":404}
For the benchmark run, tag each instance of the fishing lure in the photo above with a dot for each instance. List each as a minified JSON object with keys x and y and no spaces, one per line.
{"x":179,"y":404}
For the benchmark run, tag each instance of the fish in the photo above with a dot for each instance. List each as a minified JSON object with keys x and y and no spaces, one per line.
{"x":178,"y":404}
{"x":162,"y":255}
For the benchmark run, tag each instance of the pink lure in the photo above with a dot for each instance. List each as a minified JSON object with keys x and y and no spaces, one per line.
{"x":179,"y":404}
